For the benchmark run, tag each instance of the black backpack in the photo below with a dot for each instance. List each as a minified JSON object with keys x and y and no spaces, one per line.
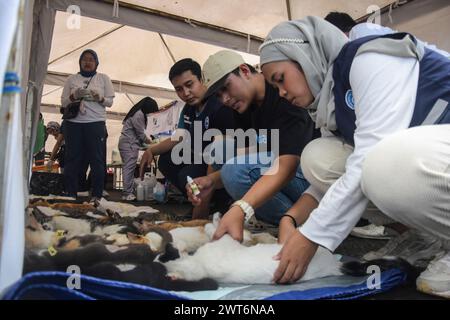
{"x":45,"y":183}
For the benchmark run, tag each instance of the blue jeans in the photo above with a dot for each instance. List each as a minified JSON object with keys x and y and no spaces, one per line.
{"x":240,"y":174}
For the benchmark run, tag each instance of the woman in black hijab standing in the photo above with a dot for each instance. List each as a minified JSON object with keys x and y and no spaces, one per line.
{"x":86,"y":132}
{"x":131,"y":139}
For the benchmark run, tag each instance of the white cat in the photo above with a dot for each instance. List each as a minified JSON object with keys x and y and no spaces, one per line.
{"x":189,"y":239}
{"x":228,"y":261}
{"x":123,"y":209}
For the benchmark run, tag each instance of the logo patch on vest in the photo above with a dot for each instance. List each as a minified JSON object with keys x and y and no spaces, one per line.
{"x":349,"y":101}
{"x":206,"y":122}
{"x":261,"y":139}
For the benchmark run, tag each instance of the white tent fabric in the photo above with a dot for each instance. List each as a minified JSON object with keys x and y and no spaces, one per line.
{"x":12,"y":188}
{"x":129,"y":55}
{"x":255,"y":17}
{"x":8,"y":19}
{"x":429,"y":20}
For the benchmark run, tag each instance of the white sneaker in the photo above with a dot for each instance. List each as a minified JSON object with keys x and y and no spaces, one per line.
{"x":415,"y":247}
{"x":372,"y":231}
{"x":105,"y":193}
{"x":95,"y":201}
{"x":130,"y":197}
{"x":435,"y":279}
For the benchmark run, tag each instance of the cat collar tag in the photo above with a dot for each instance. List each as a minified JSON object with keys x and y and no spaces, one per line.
{"x":52,"y":251}
{"x":60,"y":233}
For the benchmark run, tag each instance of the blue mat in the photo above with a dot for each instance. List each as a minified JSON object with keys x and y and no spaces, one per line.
{"x":53,"y":285}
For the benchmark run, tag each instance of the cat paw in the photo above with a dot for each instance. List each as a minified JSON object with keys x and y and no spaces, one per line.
{"x":174,"y":276}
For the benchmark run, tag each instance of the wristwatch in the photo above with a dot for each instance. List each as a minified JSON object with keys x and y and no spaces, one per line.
{"x":246,"y":208}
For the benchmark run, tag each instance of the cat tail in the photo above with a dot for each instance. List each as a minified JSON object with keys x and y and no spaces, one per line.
{"x":185,"y":285}
{"x":364,"y":268}
{"x":170,"y":253}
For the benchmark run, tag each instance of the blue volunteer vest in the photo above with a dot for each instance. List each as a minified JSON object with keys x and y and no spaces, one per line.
{"x":433,"y":92}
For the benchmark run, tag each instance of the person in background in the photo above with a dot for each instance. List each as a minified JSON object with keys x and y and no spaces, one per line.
{"x":53,"y":129}
{"x":354,"y":30}
{"x":85,"y":185}
{"x":57,"y":154}
{"x":39,"y":144}
{"x":382,"y":106}
{"x":131,"y":139}
{"x":85,"y":134}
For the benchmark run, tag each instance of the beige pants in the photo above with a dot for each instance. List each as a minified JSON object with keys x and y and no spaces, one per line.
{"x":406,"y":176}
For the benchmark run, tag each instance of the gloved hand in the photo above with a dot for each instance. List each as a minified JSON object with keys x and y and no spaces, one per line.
{"x":80,"y":93}
{"x":96,"y":96}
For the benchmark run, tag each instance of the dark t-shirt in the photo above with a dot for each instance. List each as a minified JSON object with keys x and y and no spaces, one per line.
{"x":214,"y":115}
{"x":296,"y":128}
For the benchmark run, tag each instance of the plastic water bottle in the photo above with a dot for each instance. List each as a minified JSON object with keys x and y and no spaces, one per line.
{"x":140,"y":195}
{"x":148,"y":191}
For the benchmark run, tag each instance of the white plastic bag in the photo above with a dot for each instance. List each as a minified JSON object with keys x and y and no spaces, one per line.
{"x":149,"y":183}
{"x":159,"y":192}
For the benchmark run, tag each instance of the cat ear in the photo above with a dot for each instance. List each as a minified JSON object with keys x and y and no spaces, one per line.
{"x":146,"y":226}
{"x":133,"y":237}
{"x":32,"y":222}
{"x":138,"y":226}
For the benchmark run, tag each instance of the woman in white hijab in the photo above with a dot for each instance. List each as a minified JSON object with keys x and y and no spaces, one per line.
{"x":382,"y":104}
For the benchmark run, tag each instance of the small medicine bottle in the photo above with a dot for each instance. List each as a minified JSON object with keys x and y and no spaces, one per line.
{"x":193,"y":185}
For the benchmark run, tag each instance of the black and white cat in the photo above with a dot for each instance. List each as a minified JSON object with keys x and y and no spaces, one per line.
{"x":130,"y":263}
